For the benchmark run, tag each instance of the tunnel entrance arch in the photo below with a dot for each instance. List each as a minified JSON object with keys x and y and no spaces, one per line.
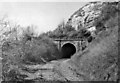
{"x":68,"y":50}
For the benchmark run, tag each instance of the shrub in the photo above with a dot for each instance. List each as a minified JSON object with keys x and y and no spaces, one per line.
{"x":40,"y":50}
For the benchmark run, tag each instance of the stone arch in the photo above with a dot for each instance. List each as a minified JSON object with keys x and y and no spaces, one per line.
{"x":68,"y":49}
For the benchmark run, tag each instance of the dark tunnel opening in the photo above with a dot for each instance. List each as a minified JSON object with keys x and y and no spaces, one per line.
{"x":68,"y":50}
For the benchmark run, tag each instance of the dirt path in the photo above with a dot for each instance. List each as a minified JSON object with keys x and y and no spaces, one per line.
{"x":54,"y":70}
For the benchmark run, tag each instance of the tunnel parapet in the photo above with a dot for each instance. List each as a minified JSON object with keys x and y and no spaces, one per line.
{"x":77,"y":43}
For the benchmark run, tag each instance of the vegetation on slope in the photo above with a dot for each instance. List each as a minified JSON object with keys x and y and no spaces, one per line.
{"x":99,"y":60}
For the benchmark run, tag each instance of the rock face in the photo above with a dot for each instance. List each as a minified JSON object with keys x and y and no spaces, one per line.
{"x":85,"y":16}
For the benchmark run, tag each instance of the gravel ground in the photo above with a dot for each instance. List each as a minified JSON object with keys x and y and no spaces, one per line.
{"x":56,"y":70}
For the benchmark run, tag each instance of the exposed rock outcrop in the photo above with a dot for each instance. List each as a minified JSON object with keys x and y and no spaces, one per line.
{"x":84,"y":17}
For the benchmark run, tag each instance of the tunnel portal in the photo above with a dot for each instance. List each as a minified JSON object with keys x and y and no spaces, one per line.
{"x":68,"y":50}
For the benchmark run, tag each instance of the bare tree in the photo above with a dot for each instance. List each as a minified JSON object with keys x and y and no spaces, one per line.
{"x":8,"y":32}
{"x":28,"y":32}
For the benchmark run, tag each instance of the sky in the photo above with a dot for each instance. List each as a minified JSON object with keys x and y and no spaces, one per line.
{"x":44,"y":14}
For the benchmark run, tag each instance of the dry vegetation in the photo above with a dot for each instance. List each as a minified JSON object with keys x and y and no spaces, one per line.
{"x":17,"y":51}
{"x":101,"y":62}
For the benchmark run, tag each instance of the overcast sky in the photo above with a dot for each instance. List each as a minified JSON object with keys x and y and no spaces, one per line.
{"x":44,"y":14}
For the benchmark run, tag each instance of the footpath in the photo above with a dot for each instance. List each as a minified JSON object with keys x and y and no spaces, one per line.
{"x":61,"y":70}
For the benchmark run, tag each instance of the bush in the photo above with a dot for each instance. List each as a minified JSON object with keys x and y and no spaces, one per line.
{"x":17,"y":53}
{"x":40,"y":50}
